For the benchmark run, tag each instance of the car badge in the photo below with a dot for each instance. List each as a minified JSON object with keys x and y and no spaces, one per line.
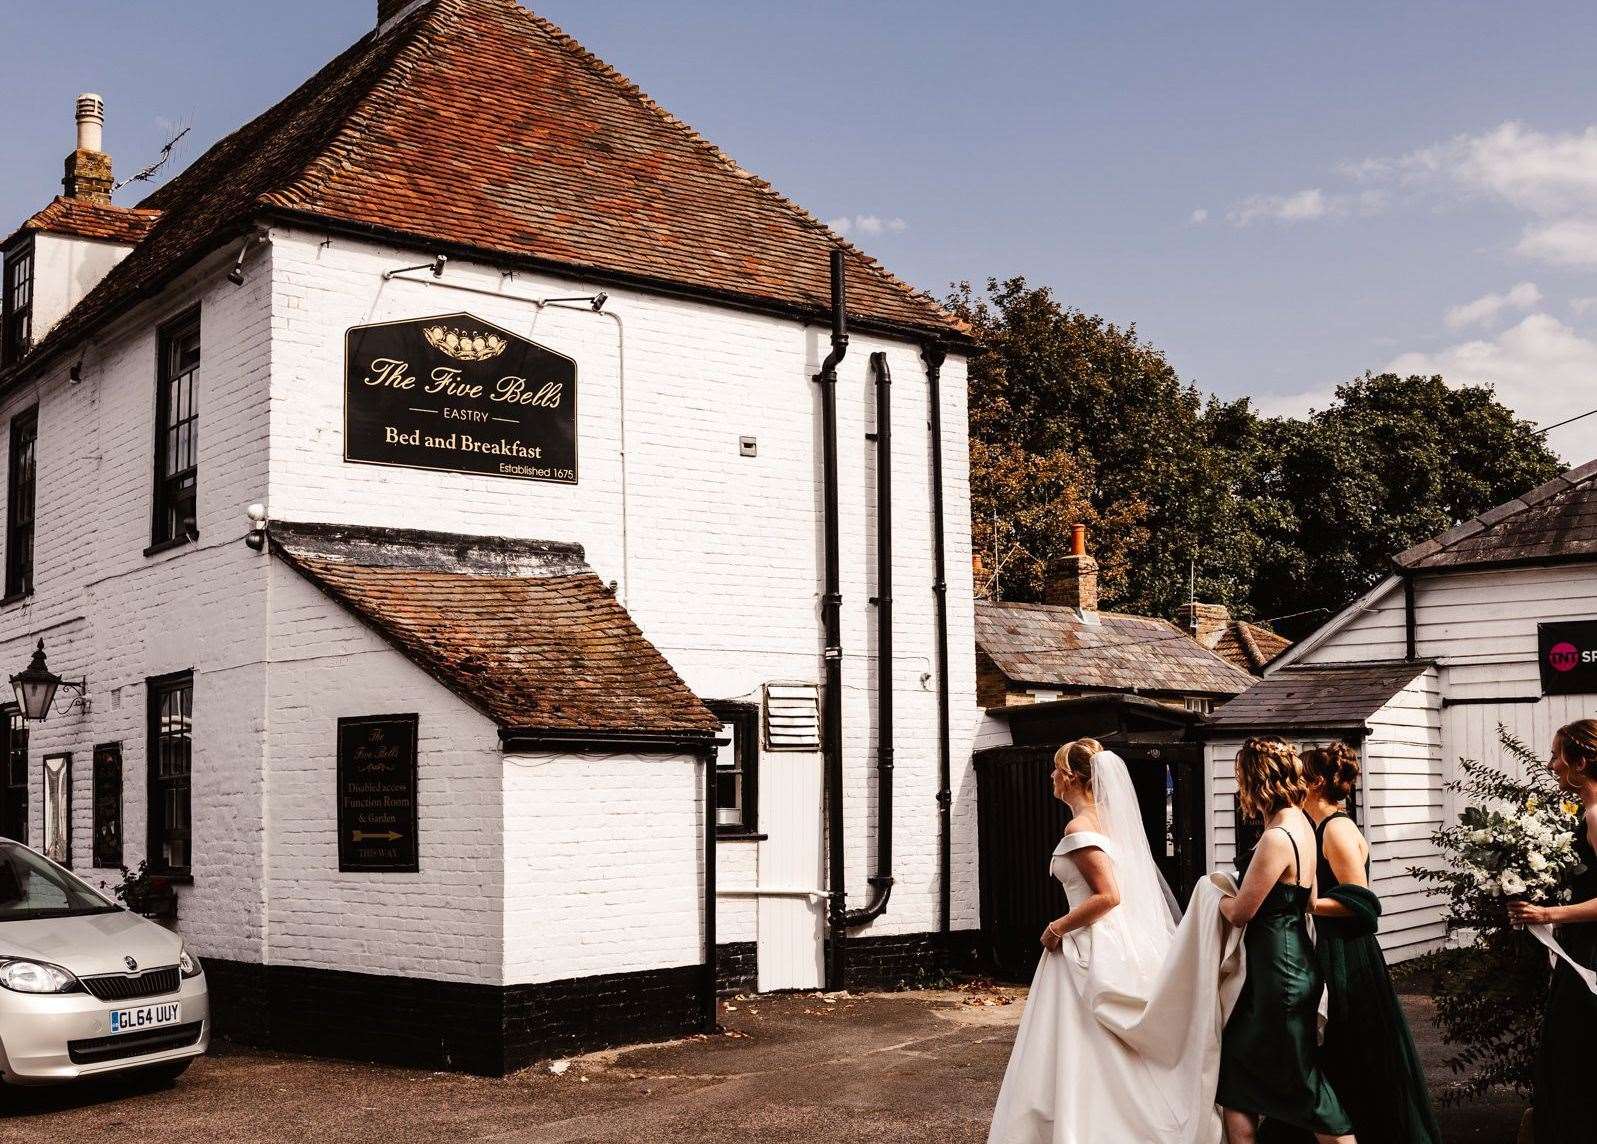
{"x":131,"y":964}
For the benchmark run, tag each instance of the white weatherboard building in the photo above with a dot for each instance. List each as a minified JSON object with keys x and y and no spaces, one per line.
{"x":523,"y":373}
{"x":1491,"y":624}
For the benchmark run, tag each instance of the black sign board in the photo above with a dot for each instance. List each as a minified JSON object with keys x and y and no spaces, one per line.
{"x":1568,"y":654}
{"x":108,"y":805}
{"x":377,"y":814}
{"x":457,"y":394}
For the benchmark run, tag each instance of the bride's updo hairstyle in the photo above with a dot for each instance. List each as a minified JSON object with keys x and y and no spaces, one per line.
{"x":1074,"y":759}
{"x":1269,"y":777}
{"x":1577,"y":743}
{"x":1334,"y":768}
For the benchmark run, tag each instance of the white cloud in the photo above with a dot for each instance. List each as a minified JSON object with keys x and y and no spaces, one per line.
{"x":1305,"y":206}
{"x":867,"y":225}
{"x":1488,"y":306}
{"x":1198,"y":217}
{"x":1540,"y":367}
{"x":1563,"y":242}
{"x":1583,"y":306}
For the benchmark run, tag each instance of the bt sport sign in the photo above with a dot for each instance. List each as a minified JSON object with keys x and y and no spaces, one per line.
{"x":1568,"y":654}
{"x":457,"y":394}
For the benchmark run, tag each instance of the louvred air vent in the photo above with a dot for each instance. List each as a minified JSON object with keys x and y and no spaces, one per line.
{"x":792,"y":717}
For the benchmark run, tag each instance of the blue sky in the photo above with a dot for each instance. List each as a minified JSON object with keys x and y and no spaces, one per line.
{"x":1279,"y":196}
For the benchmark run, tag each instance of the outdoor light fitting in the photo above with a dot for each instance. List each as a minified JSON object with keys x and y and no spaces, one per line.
{"x":256,"y":537}
{"x":597,"y":301}
{"x":435,"y":268}
{"x":36,"y":688}
{"x":236,"y":275}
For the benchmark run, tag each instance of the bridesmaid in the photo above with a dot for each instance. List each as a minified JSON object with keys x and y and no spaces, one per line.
{"x":1368,"y":1054}
{"x":1566,"y":1099}
{"x":1268,"y":1061}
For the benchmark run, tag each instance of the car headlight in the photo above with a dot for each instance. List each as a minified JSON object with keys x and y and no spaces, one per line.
{"x":21,"y":976}
{"x":188,"y":965}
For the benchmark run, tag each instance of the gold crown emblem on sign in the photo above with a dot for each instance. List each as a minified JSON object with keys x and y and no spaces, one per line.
{"x":463,"y":345}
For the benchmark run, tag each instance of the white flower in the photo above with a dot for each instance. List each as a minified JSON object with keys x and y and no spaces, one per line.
{"x":1512,"y":883}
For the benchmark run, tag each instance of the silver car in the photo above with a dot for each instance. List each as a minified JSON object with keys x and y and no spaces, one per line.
{"x":87,"y":988}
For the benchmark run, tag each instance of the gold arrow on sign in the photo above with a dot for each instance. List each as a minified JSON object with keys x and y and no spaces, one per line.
{"x":363,"y":836}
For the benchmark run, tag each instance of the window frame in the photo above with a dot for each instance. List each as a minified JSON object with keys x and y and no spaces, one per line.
{"x":14,"y":739}
{"x":19,"y":555}
{"x":163,"y":533}
{"x":744,"y":719}
{"x":14,"y":345}
{"x":157,"y":832}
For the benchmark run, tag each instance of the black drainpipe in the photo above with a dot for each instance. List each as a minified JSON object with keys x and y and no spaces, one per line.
{"x":1410,"y":626}
{"x":882,"y":881}
{"x":934,"y":355}
{"x":711,"y":968}
{"x":831,"y":621}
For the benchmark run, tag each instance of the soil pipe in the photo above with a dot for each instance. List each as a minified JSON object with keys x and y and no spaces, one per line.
{"x":934,"y":354}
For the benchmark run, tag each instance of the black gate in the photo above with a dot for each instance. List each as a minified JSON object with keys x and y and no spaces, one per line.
{"x":1019,"y":821}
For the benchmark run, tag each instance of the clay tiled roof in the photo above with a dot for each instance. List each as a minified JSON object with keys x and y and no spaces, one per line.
{"x":1327,"y":696}
{"x":1555,"y":521}
{"x":476,"y":125}
{"x":1051,"y":646}
{"x":79,"y":218}
{"x":522,"y":630}
{"x":1249,"y":646}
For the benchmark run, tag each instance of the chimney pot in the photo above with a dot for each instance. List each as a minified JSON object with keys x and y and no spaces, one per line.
{"x":91,"y":122}
{"x":1078,"y":540}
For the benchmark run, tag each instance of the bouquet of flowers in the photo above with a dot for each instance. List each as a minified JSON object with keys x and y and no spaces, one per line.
{"x":1526,"y":851}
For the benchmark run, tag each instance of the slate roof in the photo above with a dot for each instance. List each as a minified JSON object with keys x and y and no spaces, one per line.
{"x":476,"y":125}
{"x":1051,"y":646}
{"x":1328,"y":696}
{"x":1555,"y":521}
{"x":80,"y":218}
{"x":522,"y":630}
{"x":1249,"y":646}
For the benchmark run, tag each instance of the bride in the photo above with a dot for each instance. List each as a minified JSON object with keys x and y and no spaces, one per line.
{"x":1071,"y":1080}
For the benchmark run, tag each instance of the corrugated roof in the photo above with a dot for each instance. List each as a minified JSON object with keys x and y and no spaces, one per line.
{"x":522,"y":630}
{"x":1341,"y":695}
{"x":478,"y":124}
{"x":1053,"y":646}
{"x":1555,"y":521}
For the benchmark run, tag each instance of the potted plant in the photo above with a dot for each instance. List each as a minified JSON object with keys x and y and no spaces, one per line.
{"x":149,"y":895}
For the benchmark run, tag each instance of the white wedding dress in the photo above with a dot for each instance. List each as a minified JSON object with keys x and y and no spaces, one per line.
{"x":1120,"y":1039}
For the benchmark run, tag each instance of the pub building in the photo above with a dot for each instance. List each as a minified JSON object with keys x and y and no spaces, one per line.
{"x":1491,"y":624}
{"x":488,"y":552}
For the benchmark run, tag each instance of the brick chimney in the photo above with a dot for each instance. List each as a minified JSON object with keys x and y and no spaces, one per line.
{"x":1205,"y":623}
{"x":1072,"y":580}
{"x":88,"y":168}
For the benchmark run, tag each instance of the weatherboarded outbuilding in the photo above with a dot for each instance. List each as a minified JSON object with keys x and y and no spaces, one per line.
{"x":1492,"y":624}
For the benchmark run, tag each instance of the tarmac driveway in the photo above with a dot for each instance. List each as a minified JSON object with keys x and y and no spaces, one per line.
{"x":882,"y":1068}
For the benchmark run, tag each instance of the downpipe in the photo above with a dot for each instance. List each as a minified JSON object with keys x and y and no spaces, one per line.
{"x":934,"y":354}
{"x":831,"y":622}
{"x":881,"y":882}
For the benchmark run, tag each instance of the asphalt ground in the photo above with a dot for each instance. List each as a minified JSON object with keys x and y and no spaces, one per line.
{"x":884,"y":1068}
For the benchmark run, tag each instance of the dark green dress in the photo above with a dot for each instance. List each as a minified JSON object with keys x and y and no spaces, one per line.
{"x":1268,"y":1054}
{"x":1566,"y":1084}
{"x":1368,"y":1054}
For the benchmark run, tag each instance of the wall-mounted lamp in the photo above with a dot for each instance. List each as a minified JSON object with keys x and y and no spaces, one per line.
{"x":256,"y":536}
{"x":597,"y":301}
{"x":236,"y":275}
{"x":435,"y":268}
{"x":37,"y":685}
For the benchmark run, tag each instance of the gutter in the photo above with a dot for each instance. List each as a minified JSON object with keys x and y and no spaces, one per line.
{"x":640,"y":742}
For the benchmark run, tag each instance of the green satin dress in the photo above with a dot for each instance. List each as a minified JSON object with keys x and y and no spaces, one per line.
{"x":1566,"y":1084}
{"x":1268,"y":1054}
{"x":1368,"y":1054}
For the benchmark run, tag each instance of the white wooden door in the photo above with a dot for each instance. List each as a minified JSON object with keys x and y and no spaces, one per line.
{"x":792,"y":925}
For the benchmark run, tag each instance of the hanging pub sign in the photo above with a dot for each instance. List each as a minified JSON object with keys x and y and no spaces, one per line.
{"x":1568,"y":653}
{"x":459,"y":395}
{"x":377,"y":814}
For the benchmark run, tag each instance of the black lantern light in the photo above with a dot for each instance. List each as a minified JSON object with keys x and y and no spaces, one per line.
{"x":36,"y":688}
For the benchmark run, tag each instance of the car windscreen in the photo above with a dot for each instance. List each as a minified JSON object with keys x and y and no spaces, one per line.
{"x":33,"y":887}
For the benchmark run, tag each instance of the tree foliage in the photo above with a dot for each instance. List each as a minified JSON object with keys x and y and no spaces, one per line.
{"x":1076,"y":419}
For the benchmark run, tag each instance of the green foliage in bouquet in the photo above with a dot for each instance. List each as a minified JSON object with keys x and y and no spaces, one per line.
{"x":1513,"y":839}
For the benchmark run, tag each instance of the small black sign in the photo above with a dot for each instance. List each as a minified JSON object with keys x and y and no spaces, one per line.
{"x":1568,"y":653}
{"x":377,"y":814}
{"x":457,"y":394}
{"x":108,"y":805}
